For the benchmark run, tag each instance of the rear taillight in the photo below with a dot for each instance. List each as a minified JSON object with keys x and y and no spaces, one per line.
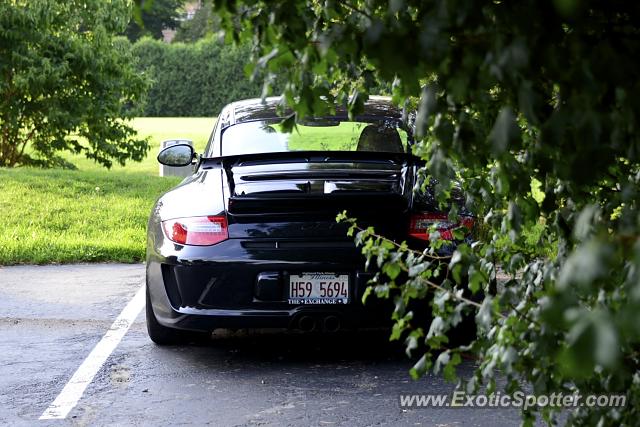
{"x":421,"y":223}
{"x":199,"y":231}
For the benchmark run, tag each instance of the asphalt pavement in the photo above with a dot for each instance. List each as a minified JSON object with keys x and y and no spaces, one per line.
{"x":52,"y":317}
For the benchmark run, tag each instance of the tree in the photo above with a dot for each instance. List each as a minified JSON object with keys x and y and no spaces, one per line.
{"x":532,"y":109}
{"x":66,"y":83}
{"x":152,"y":17}
{"x":203,"y":23}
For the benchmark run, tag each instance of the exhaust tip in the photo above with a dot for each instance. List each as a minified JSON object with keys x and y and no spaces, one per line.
{"x":331,"y":324}
{"x":307,"y":324}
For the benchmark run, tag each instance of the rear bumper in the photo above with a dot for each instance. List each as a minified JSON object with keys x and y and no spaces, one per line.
{"x":204,"y":288}
{"x":296,"y":318}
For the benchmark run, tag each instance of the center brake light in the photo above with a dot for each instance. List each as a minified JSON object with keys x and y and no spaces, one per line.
{"x":198,"y":231}
{"x":422,"y":222}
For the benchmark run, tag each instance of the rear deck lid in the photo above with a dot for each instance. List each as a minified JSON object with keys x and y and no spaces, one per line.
{"x":278,"y":183}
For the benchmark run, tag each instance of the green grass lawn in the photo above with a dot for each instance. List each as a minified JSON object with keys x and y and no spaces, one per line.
{"x":342,"y":137}
{"x":157,"y":129}
{"x":91,"y":214}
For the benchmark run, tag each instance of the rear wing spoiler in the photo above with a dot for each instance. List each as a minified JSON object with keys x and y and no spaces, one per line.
{"x":227,"y":163}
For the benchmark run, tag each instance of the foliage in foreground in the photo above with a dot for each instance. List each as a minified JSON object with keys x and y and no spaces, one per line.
{"x":507,"y":92}
{"x":66,"y":82}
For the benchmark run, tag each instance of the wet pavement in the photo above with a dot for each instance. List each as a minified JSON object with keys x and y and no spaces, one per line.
{"x":53,"y":316}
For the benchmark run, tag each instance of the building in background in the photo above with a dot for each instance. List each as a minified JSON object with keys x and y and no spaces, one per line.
{"x":187,"y":14}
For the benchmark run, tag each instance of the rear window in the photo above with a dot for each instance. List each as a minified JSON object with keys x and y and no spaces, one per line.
{"x":267,"y":137}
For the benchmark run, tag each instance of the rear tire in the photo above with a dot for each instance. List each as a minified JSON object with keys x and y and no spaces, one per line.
{"x":161,"y":335}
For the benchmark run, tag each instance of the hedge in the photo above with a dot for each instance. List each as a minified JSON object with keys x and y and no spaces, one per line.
{"x":195,"y":79}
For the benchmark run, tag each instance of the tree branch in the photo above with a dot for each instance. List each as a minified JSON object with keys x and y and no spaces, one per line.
{"x":418,"y":253}
{"x":355,"y":9}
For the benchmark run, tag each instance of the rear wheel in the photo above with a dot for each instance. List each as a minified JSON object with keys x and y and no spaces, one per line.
{"x":162,"y":335}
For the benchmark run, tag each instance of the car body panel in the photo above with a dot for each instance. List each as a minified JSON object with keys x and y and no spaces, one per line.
{"x":281,"y":210}
{"x":194,"y":196}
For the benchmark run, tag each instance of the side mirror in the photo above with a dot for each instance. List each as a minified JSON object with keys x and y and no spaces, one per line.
{"x":176,"y":155}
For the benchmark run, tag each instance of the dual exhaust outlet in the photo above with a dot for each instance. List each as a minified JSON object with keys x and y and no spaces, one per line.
{"x":307,"y":323}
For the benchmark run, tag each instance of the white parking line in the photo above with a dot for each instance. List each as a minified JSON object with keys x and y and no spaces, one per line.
{"x":73,"y":390}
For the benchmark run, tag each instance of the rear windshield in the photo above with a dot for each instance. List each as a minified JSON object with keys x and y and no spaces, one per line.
{"x":267,"y":137}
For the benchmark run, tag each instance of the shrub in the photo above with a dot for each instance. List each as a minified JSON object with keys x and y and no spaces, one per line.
{"x":195,"y":79}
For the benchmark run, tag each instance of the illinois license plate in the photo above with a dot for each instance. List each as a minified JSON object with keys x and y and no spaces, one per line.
{"x":318,"y":288}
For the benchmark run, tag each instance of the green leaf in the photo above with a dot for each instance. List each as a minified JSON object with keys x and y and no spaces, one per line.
{"x":420,"y":367}
{"x":449,"y":371}
{"x":411,"y":343}
{"x":418,"y":269}
{"x":591,"y":341}
{"x":485,"y":313}
{"x":392,"y":270}
{"x":442,"y":361}
{"x":505,"y":131}
{"x":459,"y":233}
{"x":476,"y":279}
{"x":367,"y":291}
{"x":436,"y":327}
{"x":288,"y":123}
{"x":425,"y":111}
{"x":585,"y":265}
{"x":585,"y":222}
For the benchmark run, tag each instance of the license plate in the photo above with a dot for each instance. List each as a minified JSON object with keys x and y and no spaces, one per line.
{"x":318,"y":288}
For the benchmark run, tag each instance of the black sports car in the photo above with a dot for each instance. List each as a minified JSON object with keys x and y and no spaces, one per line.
{"x":250,"y":240}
